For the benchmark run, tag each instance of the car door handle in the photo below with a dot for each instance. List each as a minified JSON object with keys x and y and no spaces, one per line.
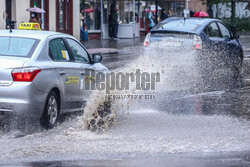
{"x":82,"y":72}
{"x":62,"y":72}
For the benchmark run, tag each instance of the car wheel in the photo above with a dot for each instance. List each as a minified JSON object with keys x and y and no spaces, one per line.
{"x":51,"y":111}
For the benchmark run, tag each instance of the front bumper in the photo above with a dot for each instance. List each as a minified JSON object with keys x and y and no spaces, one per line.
{"x":22,"y":98}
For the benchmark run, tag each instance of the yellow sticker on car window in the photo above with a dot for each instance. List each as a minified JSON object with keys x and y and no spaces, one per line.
{"x":72,"y":80}
{"x":65,"y":54}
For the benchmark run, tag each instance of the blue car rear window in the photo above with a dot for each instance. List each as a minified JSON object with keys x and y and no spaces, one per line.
{"x":180,"y":25}
{"x":17,"y":46}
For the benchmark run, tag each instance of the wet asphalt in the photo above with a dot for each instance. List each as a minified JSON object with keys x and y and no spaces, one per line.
{"x":231,"y":102}
{"x":234,"y":159}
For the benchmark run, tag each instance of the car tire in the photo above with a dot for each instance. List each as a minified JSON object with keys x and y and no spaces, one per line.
{"x":51,"y":111}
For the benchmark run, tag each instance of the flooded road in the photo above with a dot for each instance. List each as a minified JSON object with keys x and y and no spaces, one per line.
{"x":144,"y":133}
{"x":191,"y":129}
{"x":175,"y":160}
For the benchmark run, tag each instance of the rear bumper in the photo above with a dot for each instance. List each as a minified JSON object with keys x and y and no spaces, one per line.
{"x":22,"y":98}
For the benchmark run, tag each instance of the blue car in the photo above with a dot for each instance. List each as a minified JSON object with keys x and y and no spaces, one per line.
{"x":216,"y":49}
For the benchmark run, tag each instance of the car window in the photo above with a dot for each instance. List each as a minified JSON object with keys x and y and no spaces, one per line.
{"x":212,"y":30}
{"x":79,"y":53}
{"x":224,"y":31}
{"x":58,"y":51}
{"x":179,"y":25}
{"x":17,"y":46}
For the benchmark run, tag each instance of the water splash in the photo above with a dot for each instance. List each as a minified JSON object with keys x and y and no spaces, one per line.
{"x":177,"y":73}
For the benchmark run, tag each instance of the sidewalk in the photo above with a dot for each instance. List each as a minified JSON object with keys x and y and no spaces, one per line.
{"x":111,"y":45}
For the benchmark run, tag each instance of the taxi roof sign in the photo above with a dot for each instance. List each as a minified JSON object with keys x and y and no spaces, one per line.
{"x":29,"y":26}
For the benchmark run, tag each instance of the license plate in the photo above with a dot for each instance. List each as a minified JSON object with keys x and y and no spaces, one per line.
{"x":176,"y":44}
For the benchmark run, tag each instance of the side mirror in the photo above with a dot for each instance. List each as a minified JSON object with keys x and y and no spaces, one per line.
{"x":96,"y":58}
{"x":234,"y":31}
{"x":236,"y":36}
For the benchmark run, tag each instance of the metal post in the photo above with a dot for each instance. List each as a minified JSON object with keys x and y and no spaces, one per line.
{"x":156,"y":12}
{"x":233,"y":12}
{"x":134,"y":18}
{"x":139,"y":12}
{"x":101,"y":19}
{"x":94,"y":20}
{"x":233,"y":21}
{"x":42,"y":19}
{"x":186,"y":4}
{"x":139,"y":16}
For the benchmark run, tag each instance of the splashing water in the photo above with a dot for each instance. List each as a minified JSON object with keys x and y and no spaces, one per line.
{"x":178,"y":73}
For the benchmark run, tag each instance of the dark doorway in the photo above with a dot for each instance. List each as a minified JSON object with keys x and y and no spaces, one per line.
{"x":64,"y":16}
{"x":8,"y":8}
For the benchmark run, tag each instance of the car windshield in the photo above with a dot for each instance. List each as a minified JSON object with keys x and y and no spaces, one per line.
{"x":17,"y":46}
{"x":180,"y":25}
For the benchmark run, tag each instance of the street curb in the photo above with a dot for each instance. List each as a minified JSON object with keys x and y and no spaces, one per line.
{"x":244,"y":36}
{"x":113,"y":50}
{"x":102,"y":50}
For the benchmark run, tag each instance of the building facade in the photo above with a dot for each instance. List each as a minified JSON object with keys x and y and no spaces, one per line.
{"x":68,"y":16}
{"x":197,"y":5}
{"x":132,"y":15}
{"x":61,"y":15}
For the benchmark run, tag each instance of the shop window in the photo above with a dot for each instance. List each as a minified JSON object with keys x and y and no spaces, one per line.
{"x":125,"y":10}
{"x":64,"y":16}
{"x":61,"y":19}
{"x":91,"y":14}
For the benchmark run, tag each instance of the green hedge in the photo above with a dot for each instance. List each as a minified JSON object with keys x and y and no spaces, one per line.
{"x":242,"y":25}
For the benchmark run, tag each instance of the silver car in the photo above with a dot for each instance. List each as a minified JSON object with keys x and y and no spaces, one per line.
{"x":42,"y":74}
